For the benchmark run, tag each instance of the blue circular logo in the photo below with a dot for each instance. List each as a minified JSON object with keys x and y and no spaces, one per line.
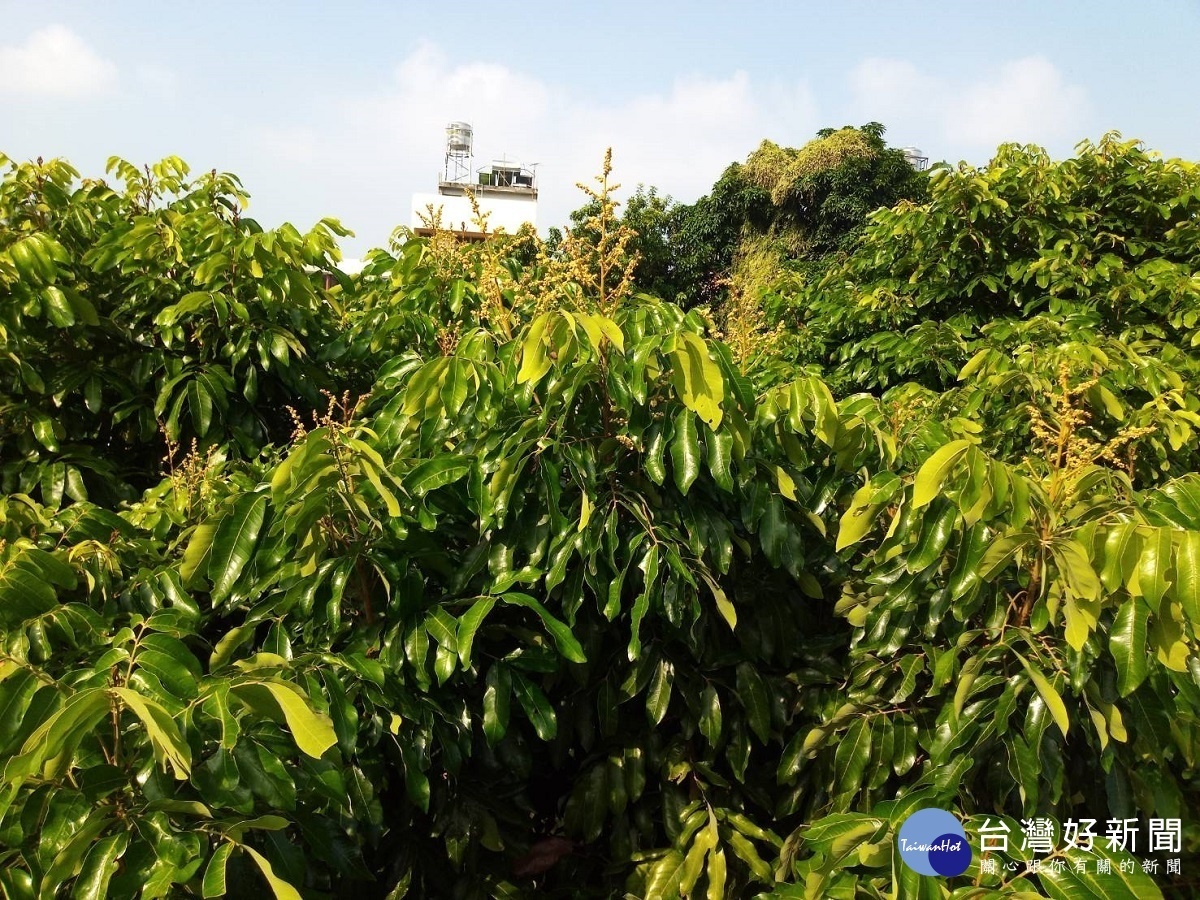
{"x":932,"y":842}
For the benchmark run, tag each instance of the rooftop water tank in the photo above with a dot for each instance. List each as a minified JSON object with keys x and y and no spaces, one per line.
{"x":458,"y":139}
{"x":916,"y":158}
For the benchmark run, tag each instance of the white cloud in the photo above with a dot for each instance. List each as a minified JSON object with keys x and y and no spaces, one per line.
{"x":679,"y":137}
{"x":54,"y":61}
{"x":1029,"y":100}
{"x":893,"y":87}
{"x":1026,"y":100}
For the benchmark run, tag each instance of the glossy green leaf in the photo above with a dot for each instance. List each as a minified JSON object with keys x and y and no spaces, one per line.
{"x":233,"y":543}
{"x":435,"y":473}
{"x":859,"y":517}
{"x":1049,"y":695}
{"x":852,"y":755}
{"x":568,"y":645}
{"x":934,"y":471}
{"x":1127,"y":644}
{"x":698,"y":380}
{"x":936,"y":532}
{"x":213,"y":884}
{"x":685,"y":451}
{"x":658,"y":697}
{"x":496,"y":698}
{"x":469,"y":624}
{"x":99,"y":866}
{"x":280,"y":888}
{"x":752,"y":692}
{"x":537,"y":707}
{"x":169,"y":745}
{"x":1187,"y":575}
{"x":535,"y":362}
{"x":1154,"y":564}
{"x":312,"y":731}
{"x":710,"y":715}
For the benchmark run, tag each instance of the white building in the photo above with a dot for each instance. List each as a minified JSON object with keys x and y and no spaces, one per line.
{"x":505,"y":191}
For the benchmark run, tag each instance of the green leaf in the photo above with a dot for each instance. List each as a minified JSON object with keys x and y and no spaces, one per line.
{"x":934,"y":471}
{"x":1187,"y":575}
{"x":99,"y":866}
{"x":1120,"y":884}
{"x":233,"y":543}
{"x":935,"y":535}
{"x":25,"y":591}
{"x":720,"y":448}
{"x":697,"y":379}
{"x":312,"y":731}
{"x":564,"y":639}
{"x":213,"y":883}
{"x":171,"y":672}
{"x":710,"y":715}
{"x":1127,"y":644}
{"x":535,"y":362}
{"x":281,"y":889}
{"x":662,"y":883}
{"x":997,"y":557}
{"x":469,"y":624}
{"x":58,"y":308}
{"x":435,"y":473}
{"x":727,"y":610}
{"x":43,"y":430}
{"x":851,"y":757}
{"x":858,"y":518}
{"x":74,"y":847}
{"x":585,"y":810}
{"x":496,"y":698}
{"x":752,"y":692}
{"x":1153,"y":565}
{"x":368,"y":468}
{"x":705,"y":840}
{"x":1121,"y":551}
{"x":649,"y":567}
{"x":60,"y":734}
{"x":169,"y":745}
{"x":1054,"y":703}
{"x":652,"y":459}
{"x":685,"y":451}
{"x":658,"y":697}
{"x":716,"y":874}
{"x":536,"y":706}
{"x":744,"y":850}
{"x":200,"y":404}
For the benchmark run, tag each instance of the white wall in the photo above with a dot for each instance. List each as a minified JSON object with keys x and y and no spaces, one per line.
{"x":507,"y":212}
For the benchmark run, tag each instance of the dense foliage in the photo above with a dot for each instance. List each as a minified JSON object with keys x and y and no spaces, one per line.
{"x":482,"y":575}
{"x":798,"y":207}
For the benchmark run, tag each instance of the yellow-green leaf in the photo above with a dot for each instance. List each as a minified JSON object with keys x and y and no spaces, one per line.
{"x":1153,"y":564}
{"x":535,"y":362}
{"x":1187,"y":575}
{"x":282,"y":889}
{"x":312,"y":731}
{"x":934,"y":471}
{"x":697,"y":378}
{"x":857,"y":520}
{"x":1054,"y":703}
{"x":169,"y":745}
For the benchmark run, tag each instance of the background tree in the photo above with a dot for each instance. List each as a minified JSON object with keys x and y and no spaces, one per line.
{"x":148,"y":311}
{"x":1102,"y":244}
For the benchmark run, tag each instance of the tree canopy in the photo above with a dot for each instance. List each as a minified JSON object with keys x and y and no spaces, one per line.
{"x":486,"y":573}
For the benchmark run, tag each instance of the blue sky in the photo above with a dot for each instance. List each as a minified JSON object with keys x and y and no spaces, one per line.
{"x":339,"y":109}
